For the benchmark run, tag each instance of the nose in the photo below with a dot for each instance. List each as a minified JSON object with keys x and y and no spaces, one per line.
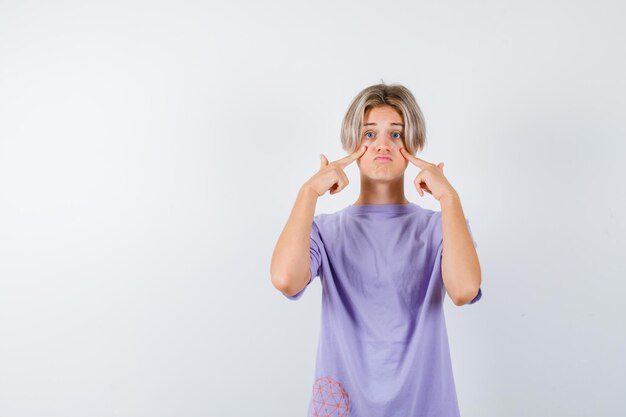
{"x":383,"y":145}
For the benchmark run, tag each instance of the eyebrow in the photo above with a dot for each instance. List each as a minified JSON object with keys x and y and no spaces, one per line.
{"x":395,"y":124}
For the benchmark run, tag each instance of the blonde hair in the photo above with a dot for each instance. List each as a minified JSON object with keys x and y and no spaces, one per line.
{"x":394,"y":95}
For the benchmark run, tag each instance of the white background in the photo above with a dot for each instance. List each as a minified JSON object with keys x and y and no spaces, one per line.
{"x":150,"y":154}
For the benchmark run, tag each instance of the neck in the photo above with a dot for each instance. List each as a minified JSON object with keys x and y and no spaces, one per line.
{"x":382,"y":192}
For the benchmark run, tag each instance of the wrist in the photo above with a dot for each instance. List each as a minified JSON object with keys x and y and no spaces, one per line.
{"x":451,"y":197}
{"x":307,"y":190}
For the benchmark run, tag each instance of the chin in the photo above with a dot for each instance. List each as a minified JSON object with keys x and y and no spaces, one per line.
{"x":384,"y":175}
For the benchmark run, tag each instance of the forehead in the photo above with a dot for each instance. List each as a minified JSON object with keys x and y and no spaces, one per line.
{"x":382,"y":115}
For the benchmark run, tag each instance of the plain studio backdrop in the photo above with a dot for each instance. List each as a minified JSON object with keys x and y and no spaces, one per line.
{"x":151,"y":152}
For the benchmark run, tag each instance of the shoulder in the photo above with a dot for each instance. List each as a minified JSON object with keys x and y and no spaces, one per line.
{"x":426,"y":212}
{"x":325,"y":218}
{"x":329,"y":224}
{"x":428,"y":216}
{"x":429,"y":223}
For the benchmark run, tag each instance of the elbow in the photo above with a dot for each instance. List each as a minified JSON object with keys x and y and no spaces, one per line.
{"x":284,"y":285}
{"x":459,"y":301}
{"x":278,"y":277}
{"x":288,"y":282}
{"x":279,"y":282}
{"x":465,"y":296}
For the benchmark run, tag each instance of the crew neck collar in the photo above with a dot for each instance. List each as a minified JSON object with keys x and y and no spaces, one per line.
{"x":382,"y":208}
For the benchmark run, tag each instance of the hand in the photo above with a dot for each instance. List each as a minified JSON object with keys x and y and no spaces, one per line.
{"x":331,"y":176}
{"x":430,"y":178}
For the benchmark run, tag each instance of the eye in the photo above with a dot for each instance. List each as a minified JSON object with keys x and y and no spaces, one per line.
{"x":399,"y":135}
{"x":367,"y":135}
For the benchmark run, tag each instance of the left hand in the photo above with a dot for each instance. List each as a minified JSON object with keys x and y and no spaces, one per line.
{"x":430,"y":178}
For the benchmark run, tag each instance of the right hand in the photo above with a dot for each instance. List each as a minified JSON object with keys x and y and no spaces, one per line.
{"x":331,"y":176}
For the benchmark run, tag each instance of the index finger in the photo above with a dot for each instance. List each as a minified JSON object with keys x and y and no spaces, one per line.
{"x":421,"y":163}
{"x":348,"y":159}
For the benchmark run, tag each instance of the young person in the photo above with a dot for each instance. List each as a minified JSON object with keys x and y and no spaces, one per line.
{"x":385,"y":265}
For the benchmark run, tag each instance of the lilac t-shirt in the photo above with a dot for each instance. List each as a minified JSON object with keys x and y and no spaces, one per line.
{"x":383,"y":346}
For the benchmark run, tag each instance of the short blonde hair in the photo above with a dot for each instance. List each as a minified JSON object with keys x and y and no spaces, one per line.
{"x":394,"y":95}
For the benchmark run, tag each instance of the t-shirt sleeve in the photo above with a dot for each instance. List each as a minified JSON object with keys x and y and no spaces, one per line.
{"x":316,"y":247}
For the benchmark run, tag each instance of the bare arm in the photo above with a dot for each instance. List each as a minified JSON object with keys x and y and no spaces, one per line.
{"x":460,"y":268}
{"x":291,"y":262}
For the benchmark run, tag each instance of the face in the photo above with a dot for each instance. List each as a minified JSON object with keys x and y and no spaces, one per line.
{"x":383,"y":133}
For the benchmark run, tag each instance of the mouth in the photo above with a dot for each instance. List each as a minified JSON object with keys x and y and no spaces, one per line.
{"x":382,"y":159}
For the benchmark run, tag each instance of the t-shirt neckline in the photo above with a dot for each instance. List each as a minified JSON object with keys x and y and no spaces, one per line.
{"x":382,"y":208}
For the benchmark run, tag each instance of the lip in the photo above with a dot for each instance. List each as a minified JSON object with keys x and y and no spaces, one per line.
{"x":382,"y":158}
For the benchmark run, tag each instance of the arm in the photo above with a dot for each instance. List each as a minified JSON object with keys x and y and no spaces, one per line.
{"x":290,"y":265}
{"x":460,"y":268}
{"x":291,"y":262}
